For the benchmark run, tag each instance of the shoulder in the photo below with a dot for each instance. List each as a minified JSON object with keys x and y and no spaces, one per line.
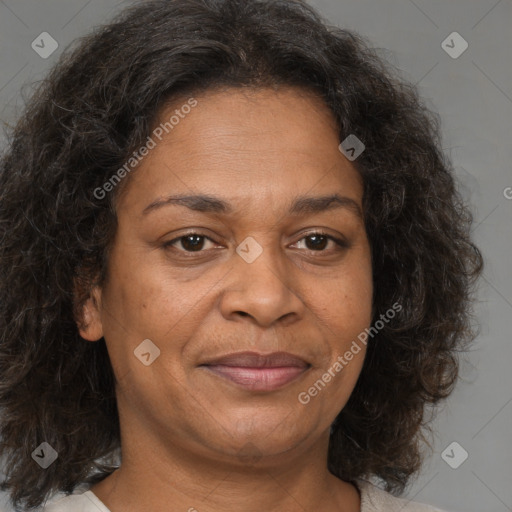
{"x":82,"y":500}
{"x":374,"y":499}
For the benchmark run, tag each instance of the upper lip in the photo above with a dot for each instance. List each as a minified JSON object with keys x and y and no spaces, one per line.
{"x":256,"y":360}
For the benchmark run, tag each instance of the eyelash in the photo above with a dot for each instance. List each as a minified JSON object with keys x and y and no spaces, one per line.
{"x":341,"y":244}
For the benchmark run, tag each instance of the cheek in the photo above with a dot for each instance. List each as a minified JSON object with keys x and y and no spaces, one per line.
{"x":346,"y":312}
{"x":346,"y":299}
{"x":145,"y":301}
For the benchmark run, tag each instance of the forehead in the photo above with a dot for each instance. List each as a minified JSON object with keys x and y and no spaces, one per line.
{"x":247,"y":145}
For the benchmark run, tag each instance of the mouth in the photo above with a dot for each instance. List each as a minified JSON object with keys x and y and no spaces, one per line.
{"x":258,"y":372}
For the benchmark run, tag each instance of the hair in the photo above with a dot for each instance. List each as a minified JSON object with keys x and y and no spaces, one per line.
{"x":82,"y":123}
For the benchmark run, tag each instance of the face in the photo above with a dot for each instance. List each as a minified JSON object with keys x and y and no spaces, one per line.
{"x":247,"y":292}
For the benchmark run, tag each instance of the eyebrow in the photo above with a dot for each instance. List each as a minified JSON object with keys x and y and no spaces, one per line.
{"x":302,"y":205}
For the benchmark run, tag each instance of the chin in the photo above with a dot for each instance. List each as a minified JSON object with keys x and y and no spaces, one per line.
{"x":264,"y":436}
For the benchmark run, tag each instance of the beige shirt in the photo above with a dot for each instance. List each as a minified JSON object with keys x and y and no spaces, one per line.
{"x":373,"y":499}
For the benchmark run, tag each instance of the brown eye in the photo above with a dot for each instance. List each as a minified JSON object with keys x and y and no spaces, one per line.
{"x":318,"y":242}
{"x":192,"y":242}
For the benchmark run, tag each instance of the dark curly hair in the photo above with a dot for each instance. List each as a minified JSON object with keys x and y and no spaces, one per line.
{"x":82,"y":122}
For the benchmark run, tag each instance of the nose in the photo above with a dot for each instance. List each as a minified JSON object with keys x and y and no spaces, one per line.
{"x":264,"y":291}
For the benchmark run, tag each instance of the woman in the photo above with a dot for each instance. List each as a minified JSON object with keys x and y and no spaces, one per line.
{"x":235,"y":269}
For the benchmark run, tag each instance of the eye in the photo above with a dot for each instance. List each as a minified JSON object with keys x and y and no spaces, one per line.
{"x":191,"y":242}
{"x":318,"y":241}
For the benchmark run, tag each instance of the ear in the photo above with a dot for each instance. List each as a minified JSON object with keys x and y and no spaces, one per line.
{"x":88,"y":319}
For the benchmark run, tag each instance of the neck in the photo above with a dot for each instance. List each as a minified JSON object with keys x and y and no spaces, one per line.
{"x":152,"y":477}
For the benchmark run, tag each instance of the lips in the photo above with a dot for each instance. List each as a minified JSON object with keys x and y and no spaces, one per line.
{"x":258,"y":372}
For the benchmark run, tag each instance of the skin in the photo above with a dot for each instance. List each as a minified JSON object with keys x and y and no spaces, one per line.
{"x":191,"y":439}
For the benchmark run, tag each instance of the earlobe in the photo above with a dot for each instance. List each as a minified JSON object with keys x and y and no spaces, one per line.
{"x":90,"y":325}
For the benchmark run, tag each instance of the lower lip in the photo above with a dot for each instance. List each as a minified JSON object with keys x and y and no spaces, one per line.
{"x":258,"y":379}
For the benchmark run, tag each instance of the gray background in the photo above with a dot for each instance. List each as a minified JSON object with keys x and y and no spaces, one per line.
{"x":473,"y":94}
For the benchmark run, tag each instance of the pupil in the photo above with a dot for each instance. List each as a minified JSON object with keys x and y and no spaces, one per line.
{"x":193,"y":242}
{"x":318,"y":238}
